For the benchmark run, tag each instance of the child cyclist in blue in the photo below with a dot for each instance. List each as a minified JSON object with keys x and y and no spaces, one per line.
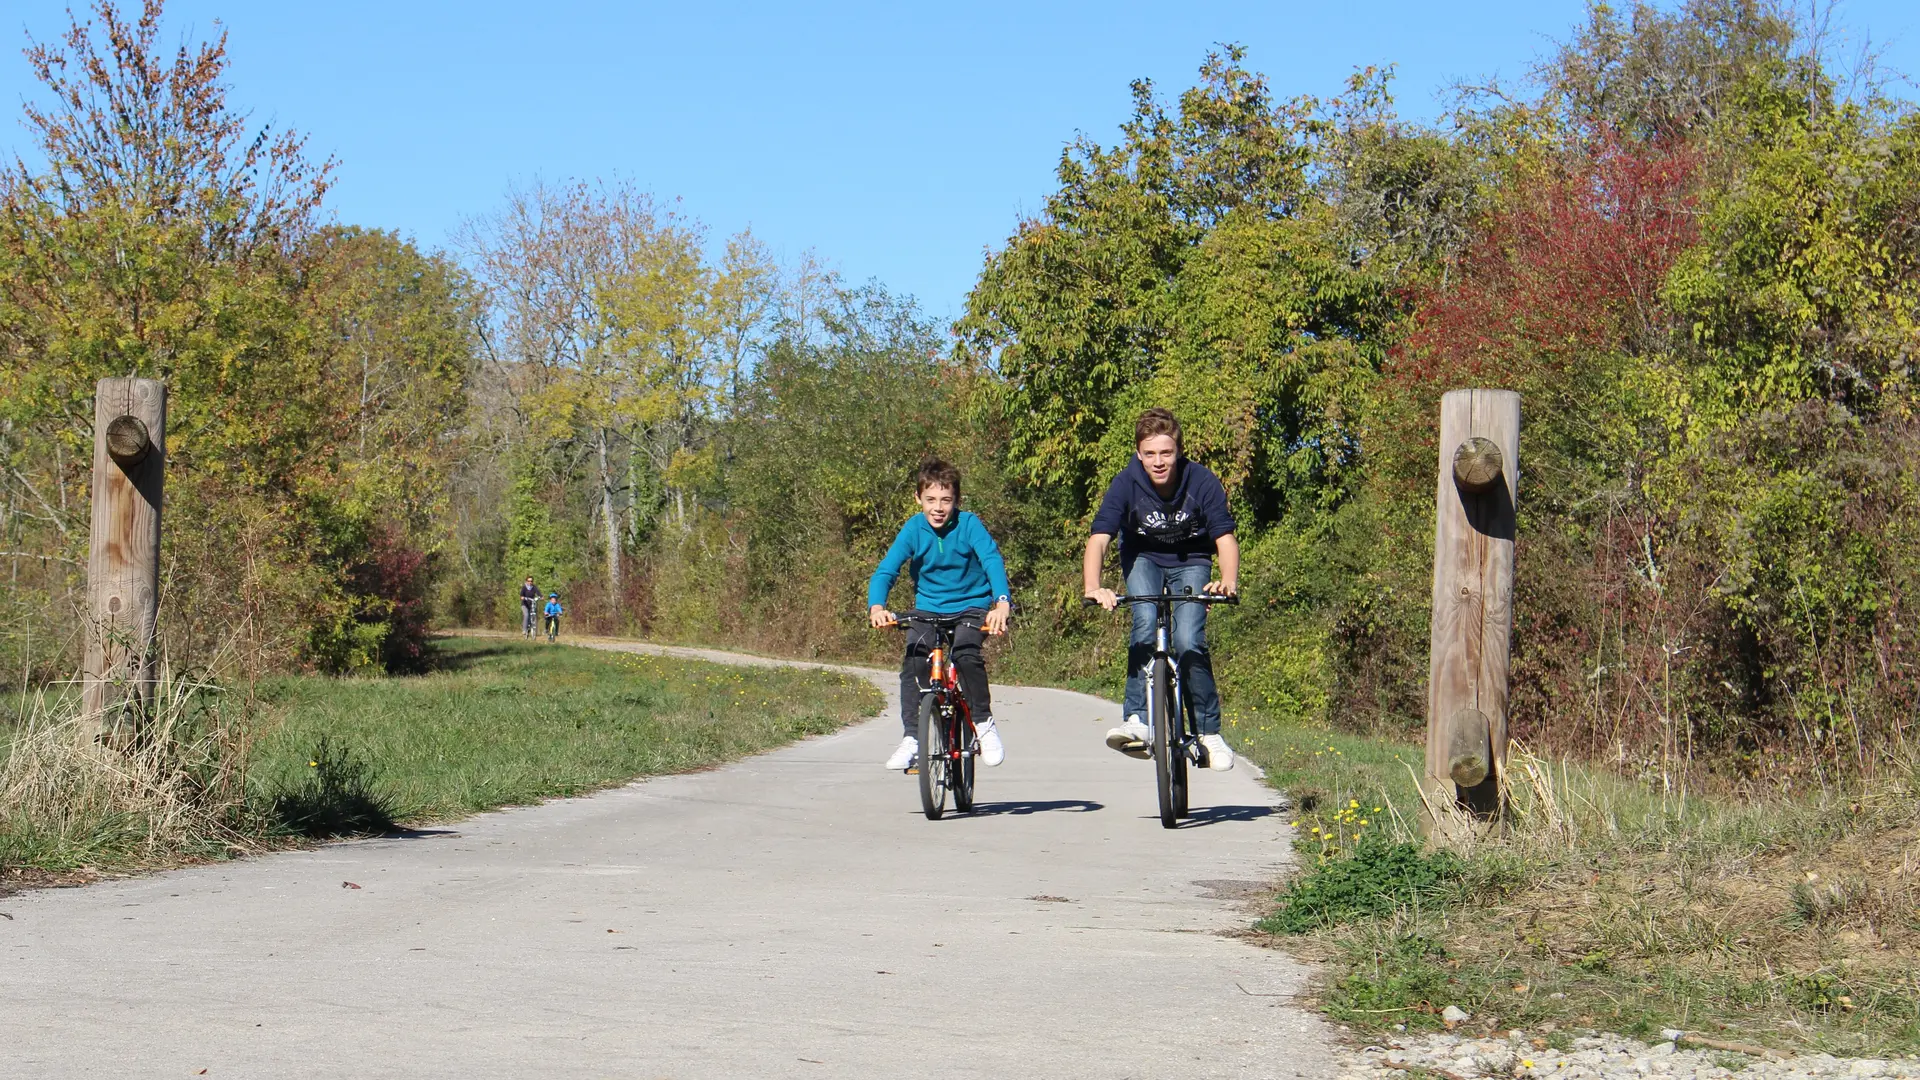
{"x":956,"y":568}
{"x":553,"y":611}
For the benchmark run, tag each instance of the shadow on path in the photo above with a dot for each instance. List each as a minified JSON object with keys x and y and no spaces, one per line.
{"x":1214,"y":815}
{"x":1074,"y":806}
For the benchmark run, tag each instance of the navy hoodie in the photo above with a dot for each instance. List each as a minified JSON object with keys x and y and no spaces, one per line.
{"x":1173,"y":531}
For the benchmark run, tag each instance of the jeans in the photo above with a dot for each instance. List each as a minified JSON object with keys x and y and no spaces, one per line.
{"x":526,"y":619}
{"x":916,"y":666}
{"x":1189,"y":640}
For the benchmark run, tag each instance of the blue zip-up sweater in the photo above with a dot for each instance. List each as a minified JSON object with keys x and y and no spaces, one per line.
{"x":956,"y":568}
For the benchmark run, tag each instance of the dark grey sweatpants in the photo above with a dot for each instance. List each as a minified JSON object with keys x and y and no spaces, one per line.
{"x":967,"y":657}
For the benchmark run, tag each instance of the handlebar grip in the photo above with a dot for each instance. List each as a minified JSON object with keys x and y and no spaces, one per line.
{"x":1088,"y":601}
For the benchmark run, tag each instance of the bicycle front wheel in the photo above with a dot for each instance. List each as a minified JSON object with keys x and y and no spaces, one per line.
{"x":963,"y":769}
{"x":1165,"y":746}
{"x":933,"y":759}
{"x":1178,"y":772}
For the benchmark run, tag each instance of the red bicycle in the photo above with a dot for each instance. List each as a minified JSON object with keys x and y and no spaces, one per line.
{"x":948,"y":740}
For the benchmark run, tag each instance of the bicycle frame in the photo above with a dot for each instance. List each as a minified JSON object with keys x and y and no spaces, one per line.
{"x":943,"y":679}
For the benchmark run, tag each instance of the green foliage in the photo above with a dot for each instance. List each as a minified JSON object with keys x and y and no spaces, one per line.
{"x":1190,"y":265}
{"x":535,"y":548}
{"x":1375,"y":878}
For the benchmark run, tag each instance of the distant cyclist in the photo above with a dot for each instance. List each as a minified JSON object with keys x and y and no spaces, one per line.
{"x":956,"y":569}
{"x":1171,"y":516}
{"x":529,"y":600}
{"x":553,"y":611}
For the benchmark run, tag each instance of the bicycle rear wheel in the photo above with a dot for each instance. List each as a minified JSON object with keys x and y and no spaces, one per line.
{"x":1159,"y":710}
{"x":933,"y":759}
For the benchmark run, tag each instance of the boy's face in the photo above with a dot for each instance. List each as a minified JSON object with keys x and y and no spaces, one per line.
{"x":1157,"y":454}
{"x":936,"y":501}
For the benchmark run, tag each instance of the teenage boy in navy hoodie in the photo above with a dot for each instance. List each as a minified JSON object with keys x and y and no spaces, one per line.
{"x":956,"y":569}
{"x":1172,"y":518}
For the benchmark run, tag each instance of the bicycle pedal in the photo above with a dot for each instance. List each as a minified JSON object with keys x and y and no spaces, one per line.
{"x":912,"y":770}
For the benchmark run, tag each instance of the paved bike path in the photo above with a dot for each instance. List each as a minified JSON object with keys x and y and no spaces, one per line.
{"x":790,"y":915}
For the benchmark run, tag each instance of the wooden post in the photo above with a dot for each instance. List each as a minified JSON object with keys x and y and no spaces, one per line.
{"x":1472,"y":599}
{"x":123,"y":569}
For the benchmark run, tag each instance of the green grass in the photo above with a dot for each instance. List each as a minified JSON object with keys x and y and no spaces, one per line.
{"x":1602,"y":903}
{"x":496,"y":723}
{"x":503,"y":722}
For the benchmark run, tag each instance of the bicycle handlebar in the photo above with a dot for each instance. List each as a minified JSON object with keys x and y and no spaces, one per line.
{"x":902,"y":619}
{"x":1155,"y":598}
{"x":932,"y":620}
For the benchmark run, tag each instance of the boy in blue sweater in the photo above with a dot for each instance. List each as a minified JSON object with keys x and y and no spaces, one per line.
{"x":956,"y":568}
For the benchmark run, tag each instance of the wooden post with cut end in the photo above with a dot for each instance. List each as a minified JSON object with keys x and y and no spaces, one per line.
{"x":123,"y":567}
{"x":1472,"y":599}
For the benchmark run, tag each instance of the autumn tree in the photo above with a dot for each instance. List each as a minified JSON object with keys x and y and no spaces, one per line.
{"x":617,"y":338}
{"x":154,"y":231}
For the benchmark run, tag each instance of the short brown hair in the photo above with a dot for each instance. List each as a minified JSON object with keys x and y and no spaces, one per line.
{"x":1157,"y":421}
{"x":935,"y":471}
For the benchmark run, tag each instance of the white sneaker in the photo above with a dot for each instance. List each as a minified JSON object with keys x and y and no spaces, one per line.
{"x":991,"y":750}
{"x":904,"y":754}
{"x":1133,"y":738}
{"x":1219,"y":756}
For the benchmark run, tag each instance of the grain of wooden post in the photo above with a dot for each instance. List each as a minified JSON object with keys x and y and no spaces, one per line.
{"x":1472,"y":598}
{"x":123,"y":567}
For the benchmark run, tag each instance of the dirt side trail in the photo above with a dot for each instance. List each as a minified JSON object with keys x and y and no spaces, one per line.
{"x":790,"y":915}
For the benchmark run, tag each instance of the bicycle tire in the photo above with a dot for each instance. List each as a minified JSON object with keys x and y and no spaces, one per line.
{"x":933,"y":759}
{"x":1159,"y":685}
{"x":963,"y":777}
{"x":1179,"y":770}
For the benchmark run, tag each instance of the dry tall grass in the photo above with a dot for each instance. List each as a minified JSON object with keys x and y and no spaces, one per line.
{"x":1792,"y":920}
{"x":174,"y":786}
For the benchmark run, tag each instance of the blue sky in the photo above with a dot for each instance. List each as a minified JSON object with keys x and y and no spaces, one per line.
{"x":898,"y":141}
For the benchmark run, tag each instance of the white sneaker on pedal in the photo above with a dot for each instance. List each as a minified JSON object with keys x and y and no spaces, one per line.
{"x":1133,"y":738}
{"x":991,"y":750}
{"x":904,"y":754}
{"x":1219,"y":755}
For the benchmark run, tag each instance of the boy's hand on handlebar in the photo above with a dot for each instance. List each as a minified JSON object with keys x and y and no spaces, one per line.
{"x":1106,"y":598}
{"x":1221,"y":588}
{"x":879,"y":617}
{"x":995,"y":623}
